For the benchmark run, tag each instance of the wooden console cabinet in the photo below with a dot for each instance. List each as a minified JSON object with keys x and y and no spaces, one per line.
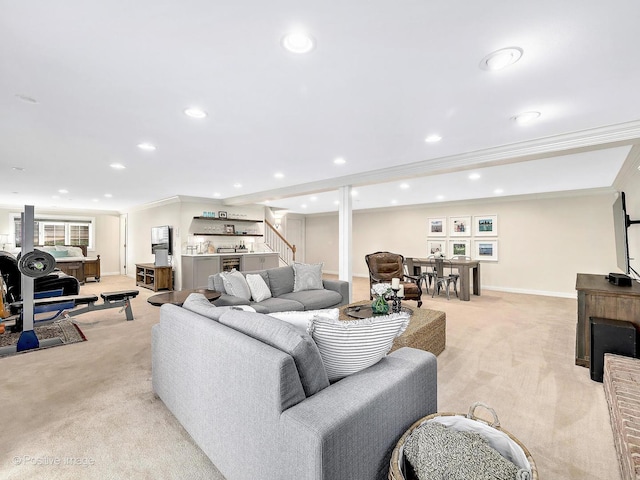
{"x":153,"y":277}
{"x":599,"y":298}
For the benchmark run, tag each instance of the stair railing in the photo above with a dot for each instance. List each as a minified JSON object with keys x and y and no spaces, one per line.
{"x":276,"y":242}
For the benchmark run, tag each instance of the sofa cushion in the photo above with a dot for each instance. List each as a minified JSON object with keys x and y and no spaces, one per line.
{"x":278,"y":304}
{"x":59,"y":253}
{"x":235,"y":284}
{"x":198,"y":303}
{"x":281,"y":280}
{"x":259,"y":288}
{"x":307,"y":277}
{"x":301,"y":320}
{"x":347,"y":347}
{"x":315,"y":299}
{"x":286,"y":338}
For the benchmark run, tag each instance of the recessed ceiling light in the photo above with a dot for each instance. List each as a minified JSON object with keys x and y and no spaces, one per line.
{"x":278,"y":175}
{"x":354,"y":193}
{"x":194,"y":112}
{"x":433,"y":138}
{"x":237,"y":185}
{"x":117,"y":166}
{"x":525,"y":117}
{"x":440,"y":197}
{"x":339,"y":161}
{"x":216,"y":194}
{"x":336,"y":202}
{"x":298,"y":42}
{"x":304,"y":205}
{"x":498,"y":191}
{"x":26,"y":98}
{"x":63,"y":190}
{"x":474,"y":176}
{"x":313,"y":199}
{"x":108,"y":195}
{"x":404,"y":186}
{"x":146,"y":146}
{"x":501,"y":58}
{"x":394,"y":202}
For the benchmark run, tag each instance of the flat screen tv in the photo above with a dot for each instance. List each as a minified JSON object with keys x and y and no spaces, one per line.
{"x":621,"y":223}
{"x":161,"y":239}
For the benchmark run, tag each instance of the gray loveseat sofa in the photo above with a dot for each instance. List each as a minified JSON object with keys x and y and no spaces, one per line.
{"x":260,"y":407}
{"x":280,"y":281}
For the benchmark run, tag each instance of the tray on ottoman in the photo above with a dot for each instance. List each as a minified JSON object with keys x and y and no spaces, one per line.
{"x":426,"y":330}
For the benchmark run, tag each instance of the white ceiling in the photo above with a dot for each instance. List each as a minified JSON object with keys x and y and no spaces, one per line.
{"x":109,"y":75}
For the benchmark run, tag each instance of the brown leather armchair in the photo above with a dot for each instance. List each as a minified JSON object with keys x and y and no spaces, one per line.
{"x":383,"y":266}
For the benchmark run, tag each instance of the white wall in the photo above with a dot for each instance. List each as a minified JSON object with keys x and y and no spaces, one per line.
{"x":542,"y":242}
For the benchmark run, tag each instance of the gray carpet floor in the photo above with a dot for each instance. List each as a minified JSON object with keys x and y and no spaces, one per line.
{"x":87,"y":411}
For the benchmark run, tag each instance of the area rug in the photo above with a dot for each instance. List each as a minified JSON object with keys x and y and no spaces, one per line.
{"x":67,"y":331}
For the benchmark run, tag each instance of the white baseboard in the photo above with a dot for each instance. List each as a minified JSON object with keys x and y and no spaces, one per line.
{"x":525,"y":291}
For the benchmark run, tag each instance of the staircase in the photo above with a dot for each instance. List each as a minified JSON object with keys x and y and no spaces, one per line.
{"x":277,"y":243}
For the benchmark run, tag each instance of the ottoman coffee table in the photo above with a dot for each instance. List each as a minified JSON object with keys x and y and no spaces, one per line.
{"x":426,"y":330}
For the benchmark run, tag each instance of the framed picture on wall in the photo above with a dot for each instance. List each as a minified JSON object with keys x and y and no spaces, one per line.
{"x":437,"y":227}
{"x":486,"y":250}
{"x":230,"y":229}
{"x":486,"y":225}
{"x":435,"y":247}
{"x":459,"y":247}
{"x":222,"y":214}
{"x":460,"y":226}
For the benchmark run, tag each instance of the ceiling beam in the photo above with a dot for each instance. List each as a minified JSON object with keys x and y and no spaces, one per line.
{"x":570,"y":143}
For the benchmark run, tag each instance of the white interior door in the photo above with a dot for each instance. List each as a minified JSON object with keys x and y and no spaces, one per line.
{"x":295,"y":236}
{"x":123,"y":243}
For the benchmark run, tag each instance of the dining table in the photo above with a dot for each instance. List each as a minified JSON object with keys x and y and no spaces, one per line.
{"x":467,"y":268}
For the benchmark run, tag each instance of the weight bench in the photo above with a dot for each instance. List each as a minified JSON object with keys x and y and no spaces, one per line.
{"x":121,"y":298}
{"x":69,"y":302}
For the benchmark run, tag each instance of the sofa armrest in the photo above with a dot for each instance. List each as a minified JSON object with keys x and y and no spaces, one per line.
{"x":339,"y":286}
{"x":349,"y":429}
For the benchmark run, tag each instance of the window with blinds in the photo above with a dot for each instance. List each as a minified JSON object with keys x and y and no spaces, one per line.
{"x":57,"y":232}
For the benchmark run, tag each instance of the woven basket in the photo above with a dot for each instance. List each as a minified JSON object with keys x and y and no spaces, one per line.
{"x":399,"y":469}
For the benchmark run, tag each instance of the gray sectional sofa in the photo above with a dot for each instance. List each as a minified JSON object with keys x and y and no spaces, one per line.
{"x":239,"y":388}
{"x":280,"y":281}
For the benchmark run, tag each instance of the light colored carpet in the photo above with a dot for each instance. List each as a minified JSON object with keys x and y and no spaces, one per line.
{"x":91,"y":402}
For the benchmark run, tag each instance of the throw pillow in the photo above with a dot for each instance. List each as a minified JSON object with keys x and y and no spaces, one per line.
{"x":74,"y":251}
{"x":259,"y":289}
{"x":347,"y":347}
{"x":59,"y":253}
{"x":285,"y":338}
{"x":198,"y":303}
{"x":235,"y":284}
{"x":307,"y":277}
{"x":300,"y":320}
{"x":218,"y":284}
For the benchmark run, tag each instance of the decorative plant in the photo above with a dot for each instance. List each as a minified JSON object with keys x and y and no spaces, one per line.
{"x":380,"y":290}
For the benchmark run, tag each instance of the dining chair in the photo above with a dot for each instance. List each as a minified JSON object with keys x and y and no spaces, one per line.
{"x":456,"y":276}
{"x":443,"y":280}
